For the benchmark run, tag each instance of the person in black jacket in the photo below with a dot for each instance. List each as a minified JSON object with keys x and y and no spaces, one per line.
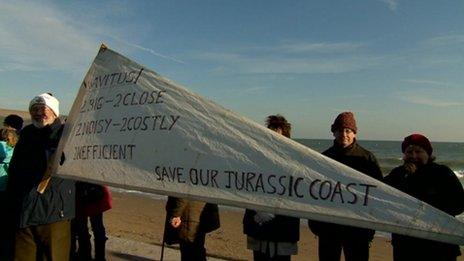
{"x":272,"y":237}
{"x":42,"y":219}
{"x":332,"y":237}
{"x":432,"y":183}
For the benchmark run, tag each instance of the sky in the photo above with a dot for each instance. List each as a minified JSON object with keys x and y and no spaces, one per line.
{"x":398,"y":65}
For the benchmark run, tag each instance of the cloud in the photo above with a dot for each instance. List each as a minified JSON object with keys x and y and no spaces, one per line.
{"x":305,"y":66}
{"x":36,"y":37}
{"x":429,"y":82}
{"x":319,"y":47}
{"x":292,"y":58}
{"x":219,"y":56}
{"x":255,"y":90}
{"x":275,"y":65}
{"x":392,"y":4}
{"x":291,"y":47}
{"x":439,"y":94}
{"x":445,"y":40}
{"x":353,"y":110}
{"x":434,"y":102}
{"x":440,"y":51}
{"x":148,"y":50}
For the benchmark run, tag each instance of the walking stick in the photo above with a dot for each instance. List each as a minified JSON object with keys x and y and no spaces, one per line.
{"x":164,"y":238}
{"x":162,"y":250}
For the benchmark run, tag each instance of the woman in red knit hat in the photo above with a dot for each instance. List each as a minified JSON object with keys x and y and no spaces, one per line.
{"x":435,"y":184}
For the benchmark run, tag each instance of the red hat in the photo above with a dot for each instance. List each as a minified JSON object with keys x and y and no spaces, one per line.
{"x":418,"y":140}
{"x":344,"y":120}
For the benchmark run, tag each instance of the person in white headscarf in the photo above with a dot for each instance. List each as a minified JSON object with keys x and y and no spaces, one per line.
{"x":42,"y":220}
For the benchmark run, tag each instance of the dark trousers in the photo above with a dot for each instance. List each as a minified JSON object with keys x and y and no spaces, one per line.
{"x":258,"y":256}
{"x":82,"y":236}
{"x":193,"y":250}
{"x":50,"y":242}
{"x":7,"y":233}
{"x":406,"y":254}
{"x":355,"y":249}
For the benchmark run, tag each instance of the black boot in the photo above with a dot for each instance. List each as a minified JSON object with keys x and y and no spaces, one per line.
{"x":84,"y":252}
{"x":100,"y":249}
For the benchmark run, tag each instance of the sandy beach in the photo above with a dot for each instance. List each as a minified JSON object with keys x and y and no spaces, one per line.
{"x":141,"y":218}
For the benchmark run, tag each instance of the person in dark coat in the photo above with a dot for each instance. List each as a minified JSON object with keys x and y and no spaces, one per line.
{"x":188,"y":222}
{"x":435,"y":184}
{"x":42,"y":219}
{"x":272,"y":237}
{"x":332,"y":237}
{"x":91,"y":201}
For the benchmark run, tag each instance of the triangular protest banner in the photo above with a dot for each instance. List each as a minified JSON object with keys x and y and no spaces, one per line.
{"x":132,"y":128}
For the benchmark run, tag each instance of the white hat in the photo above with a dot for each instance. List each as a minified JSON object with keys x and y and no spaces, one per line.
{"x":48,"y":100}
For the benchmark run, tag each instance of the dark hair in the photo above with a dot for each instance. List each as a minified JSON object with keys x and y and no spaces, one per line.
{"x":279,"y":122}
{"x":14,"y":121}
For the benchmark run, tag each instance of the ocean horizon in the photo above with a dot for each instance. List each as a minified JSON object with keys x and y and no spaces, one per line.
{"x":389,"y":155}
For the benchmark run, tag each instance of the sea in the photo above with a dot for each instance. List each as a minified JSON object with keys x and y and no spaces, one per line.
{"x":389,"y":155}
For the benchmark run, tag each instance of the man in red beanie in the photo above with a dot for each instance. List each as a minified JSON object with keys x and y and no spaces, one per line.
{"x":435,"y":184}
{"x":332,"y":237}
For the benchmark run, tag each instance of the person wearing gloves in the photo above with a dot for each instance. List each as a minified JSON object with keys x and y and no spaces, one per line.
{"x":332,"y":237}
{"x":435,"y":184}
{"x":43,"y":230}
{"x":272,"y":237}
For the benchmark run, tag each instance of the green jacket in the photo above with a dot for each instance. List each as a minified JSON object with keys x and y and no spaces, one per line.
{"x":6,"y":152}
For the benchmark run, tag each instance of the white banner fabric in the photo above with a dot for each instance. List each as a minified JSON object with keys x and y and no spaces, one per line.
{"x":131,"y":128}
